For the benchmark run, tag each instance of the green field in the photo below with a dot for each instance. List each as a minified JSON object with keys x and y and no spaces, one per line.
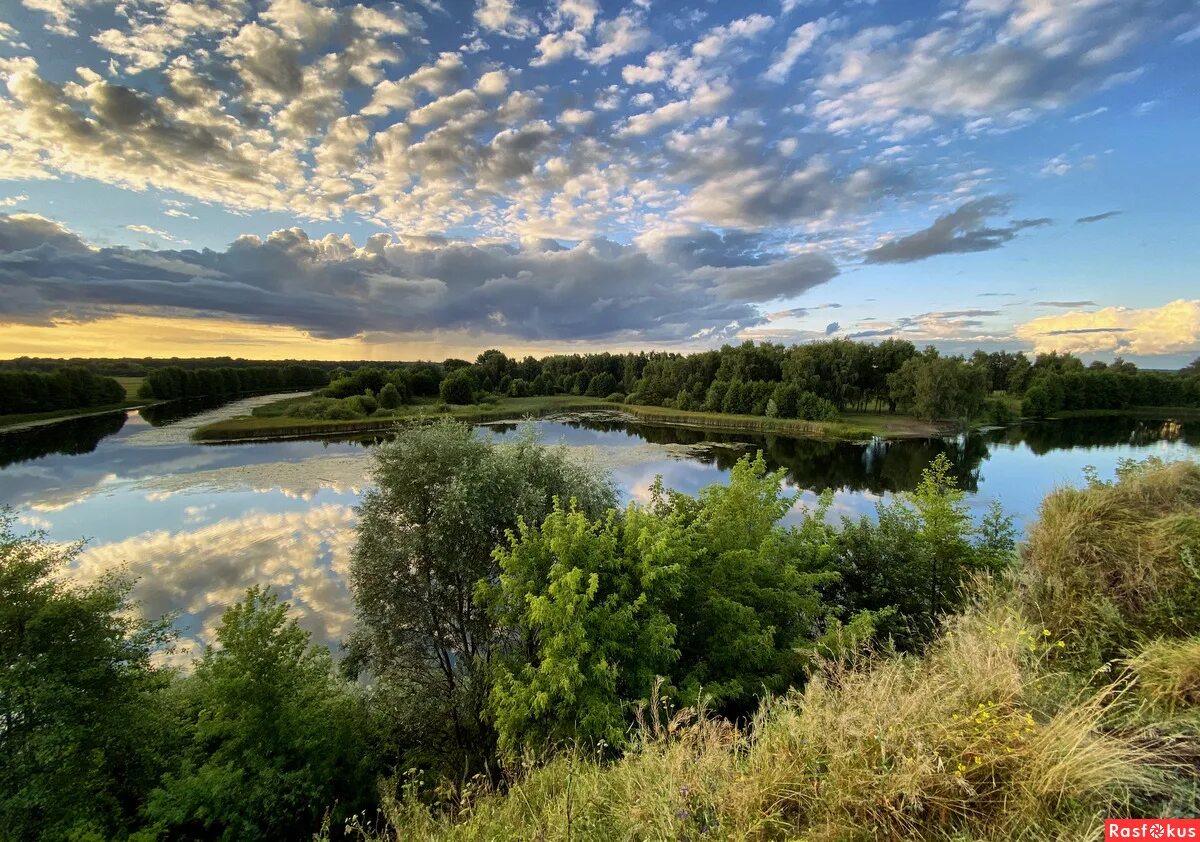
{"x":131,"y":384}
{"x":271,"y":420}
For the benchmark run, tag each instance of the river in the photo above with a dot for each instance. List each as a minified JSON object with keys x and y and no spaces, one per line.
{"x":198,"y":524}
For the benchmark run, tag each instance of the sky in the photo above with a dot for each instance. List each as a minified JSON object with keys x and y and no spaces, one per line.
{"x":337,"y":180}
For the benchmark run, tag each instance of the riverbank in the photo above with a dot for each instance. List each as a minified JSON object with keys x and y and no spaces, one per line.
{"x":1178,"y":413}
{"x":37,"y":419}
{"x":267,"y":423}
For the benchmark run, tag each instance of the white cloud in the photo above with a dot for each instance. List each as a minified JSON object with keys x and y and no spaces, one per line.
{"x":1173,"y":328}
{"x":798,"y":44}
{"x":503,"y":17}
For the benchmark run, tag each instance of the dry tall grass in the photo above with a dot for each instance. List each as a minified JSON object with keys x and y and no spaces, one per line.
{"x":1113,"y":560}
{"x":952,"y":745}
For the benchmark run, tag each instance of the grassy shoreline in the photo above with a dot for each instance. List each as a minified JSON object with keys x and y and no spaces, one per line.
{"x":33,"y":419}
{"x":1152,"y":412}
{"x":265,"y":425}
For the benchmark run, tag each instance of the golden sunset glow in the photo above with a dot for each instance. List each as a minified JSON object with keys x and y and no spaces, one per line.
{"x":159,"y":336}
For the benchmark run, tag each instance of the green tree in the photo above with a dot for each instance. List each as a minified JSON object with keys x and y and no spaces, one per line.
{"x":80,"y":715}
{"x":389,"y":396}
{"x":445,"y":498}
{"x":275,"y":738}
{"x":458,"y":387}
{"x":591,"y":618}
{"x":914,"y":558}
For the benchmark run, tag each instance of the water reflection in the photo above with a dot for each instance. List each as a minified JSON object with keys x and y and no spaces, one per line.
{"x":73,"y":438}
{"x":197,"y":524}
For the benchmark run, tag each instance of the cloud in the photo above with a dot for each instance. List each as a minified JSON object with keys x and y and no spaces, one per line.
{"x":333,"y":288}
{"x":20,"y":231}
{"x":961,"y":231}
{"x":1083,"y":220}
{"x":832,"y":328}
{"x":1003,"y":61}
{"x":1173,"y":328}
{"x":799,"y":43}
{"x":503,"y":17}
{"x":304,"y":556}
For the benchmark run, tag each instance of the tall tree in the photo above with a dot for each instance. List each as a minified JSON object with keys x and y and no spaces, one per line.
{"x":445,"y":498}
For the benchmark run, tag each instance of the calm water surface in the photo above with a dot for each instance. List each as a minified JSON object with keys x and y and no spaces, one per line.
{"x":198,"y":524}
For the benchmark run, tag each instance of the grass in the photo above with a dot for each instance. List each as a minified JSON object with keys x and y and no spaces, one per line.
{"x":1002,"y":729}
{"x":131,"y":385}
{"x":63,"y":414}
{"x":272,"y":421}
{"x":1114,"y":560}
{"x":959,"y":744}
{"x":1148,"y":412}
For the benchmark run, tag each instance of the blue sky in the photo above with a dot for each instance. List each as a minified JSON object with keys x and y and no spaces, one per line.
{"x":297,"y":178}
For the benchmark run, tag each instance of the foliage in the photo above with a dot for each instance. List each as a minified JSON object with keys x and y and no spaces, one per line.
{"x":931,"y":386}
{"x":444,"y":500}
{"x":591,"y":619}
{"x":273,"y":737}
{"x":960,"y":743}
{"x":175,"y":382}
{"x":389,"y":396}
{"x":918,"y":553}
{"x":80,"y":717}
{"x":710,"y":592}
{"x":67,"y":388}
{"x":458,"y":387}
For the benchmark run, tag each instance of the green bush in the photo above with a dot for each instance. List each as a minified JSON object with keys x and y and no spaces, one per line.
{"x":458,"y":387}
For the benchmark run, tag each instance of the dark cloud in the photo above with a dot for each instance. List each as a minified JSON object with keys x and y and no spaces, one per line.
{"x":1084,"y":330}
{"x":959,"y":232}
{"x":21,"y":231}
{"x":868,"y":334}
{"x":832,"y":328}
{"x":1083,"y":220}
{"x":1065,"y":304}
{"x":333,"y":288}
{"x":997,"y":295}
{"x":772,"y":280}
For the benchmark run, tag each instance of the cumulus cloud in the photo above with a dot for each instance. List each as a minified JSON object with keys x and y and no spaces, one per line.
{"x":503,"y":17}
{"x":1173,"y":328}
{"x":333,"y":288}
{"x":961,"y":231}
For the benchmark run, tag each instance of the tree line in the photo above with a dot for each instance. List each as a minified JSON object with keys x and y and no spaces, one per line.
{"x":172,"y":383}
{"x":814,"y":381}
{"x":507,"y":609}
{"x":65,"y":388}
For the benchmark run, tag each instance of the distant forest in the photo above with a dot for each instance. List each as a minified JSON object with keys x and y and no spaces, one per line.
{"x":815,"y":381}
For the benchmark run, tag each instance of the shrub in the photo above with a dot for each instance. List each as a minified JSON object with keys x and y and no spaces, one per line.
{"x":616,"y":397}
{"x":389,"y":396}
{"x":998,"y":412}
{"x":1118,"y":558}
{"x":458,"y":387}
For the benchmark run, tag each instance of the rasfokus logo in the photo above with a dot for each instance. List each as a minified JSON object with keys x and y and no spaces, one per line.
{"x":1152,"y":829}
